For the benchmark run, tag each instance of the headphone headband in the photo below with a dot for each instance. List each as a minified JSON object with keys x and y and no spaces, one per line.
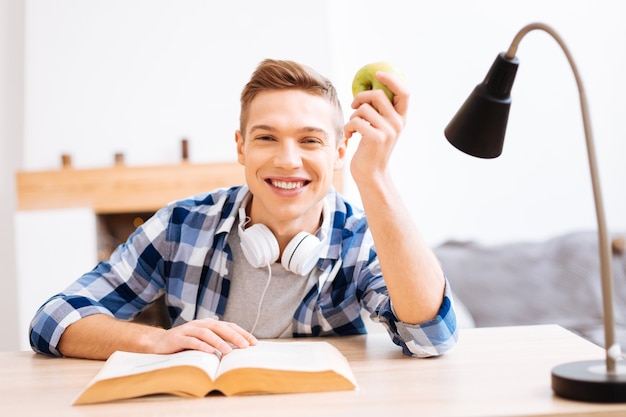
{"x":260,"y":247}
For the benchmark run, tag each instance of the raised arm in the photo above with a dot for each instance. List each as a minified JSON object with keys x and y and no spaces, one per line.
{"x":410,"y":269}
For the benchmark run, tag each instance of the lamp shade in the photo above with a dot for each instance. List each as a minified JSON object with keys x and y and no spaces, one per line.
{"x":479,"y":126}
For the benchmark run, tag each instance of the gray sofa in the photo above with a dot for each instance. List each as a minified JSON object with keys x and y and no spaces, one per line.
{"x":556,"y":281}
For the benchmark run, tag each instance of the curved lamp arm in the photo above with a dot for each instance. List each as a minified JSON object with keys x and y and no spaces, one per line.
{"x":603,"y":238}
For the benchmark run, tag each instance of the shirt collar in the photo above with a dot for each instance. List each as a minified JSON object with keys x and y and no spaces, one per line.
{"x":241,"y":196}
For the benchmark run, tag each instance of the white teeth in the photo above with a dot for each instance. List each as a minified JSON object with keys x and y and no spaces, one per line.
{"x":287,"y":185}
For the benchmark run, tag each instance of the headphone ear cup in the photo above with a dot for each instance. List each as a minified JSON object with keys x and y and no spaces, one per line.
{"x":302,"y":253}
{"x":259,"y":245}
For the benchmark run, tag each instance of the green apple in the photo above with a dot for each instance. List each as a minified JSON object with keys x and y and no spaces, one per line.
{"x":365,"y":78}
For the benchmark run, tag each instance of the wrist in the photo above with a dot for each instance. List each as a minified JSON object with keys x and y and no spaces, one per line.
{"x":378,"y":186}
{"x":148,"y":338}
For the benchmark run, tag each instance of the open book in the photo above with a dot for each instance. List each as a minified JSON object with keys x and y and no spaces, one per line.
{"x":268,"y":367}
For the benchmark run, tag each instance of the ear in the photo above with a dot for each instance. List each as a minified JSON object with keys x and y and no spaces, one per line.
{"x":240,"y":147}
{"x":342,"y":149}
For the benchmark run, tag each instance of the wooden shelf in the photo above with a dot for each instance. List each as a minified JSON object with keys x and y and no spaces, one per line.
{"x":124,"y":189}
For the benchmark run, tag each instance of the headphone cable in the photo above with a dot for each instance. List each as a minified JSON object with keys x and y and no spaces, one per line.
{"x":258,"y":311}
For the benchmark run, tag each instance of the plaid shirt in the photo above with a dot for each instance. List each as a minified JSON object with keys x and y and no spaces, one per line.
{"x":182,"y":253}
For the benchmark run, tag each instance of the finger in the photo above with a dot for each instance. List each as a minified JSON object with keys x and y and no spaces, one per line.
{"x":186,"y":338}
{"x":369,"y":134}
{"x":370,"y":114}
{"x":202,"y":338}
{"x":348,"y":130}
{"x":377,"y":99}
{"x":397,"y":85}
{"x":390,"y":124}
{"x":355,"y":125}
{"x":249,"y":337}
{"x":230,"y":332}
{"x":375,"y":107}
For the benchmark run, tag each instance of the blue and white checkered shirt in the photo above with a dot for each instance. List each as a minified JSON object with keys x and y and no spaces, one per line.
{"x":182,"y":253}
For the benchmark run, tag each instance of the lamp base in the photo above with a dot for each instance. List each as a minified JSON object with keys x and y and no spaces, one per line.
{"x":589,"y":381}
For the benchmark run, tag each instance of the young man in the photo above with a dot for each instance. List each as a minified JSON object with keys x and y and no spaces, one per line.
{"x":282,"y":256}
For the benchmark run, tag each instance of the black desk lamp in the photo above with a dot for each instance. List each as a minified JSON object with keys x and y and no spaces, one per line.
{"x":478,"y":129}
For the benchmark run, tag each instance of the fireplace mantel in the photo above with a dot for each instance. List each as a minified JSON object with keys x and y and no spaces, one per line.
{"x":120,"y":188}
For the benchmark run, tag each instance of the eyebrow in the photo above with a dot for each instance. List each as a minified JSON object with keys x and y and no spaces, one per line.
{"x":305,"y":129}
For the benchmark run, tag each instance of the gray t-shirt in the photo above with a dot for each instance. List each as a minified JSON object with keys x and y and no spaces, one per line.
{"x":284,"y":294}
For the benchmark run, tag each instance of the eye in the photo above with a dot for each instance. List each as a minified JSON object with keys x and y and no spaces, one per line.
{"x":264,"y":138}
{"x":312,"y":140}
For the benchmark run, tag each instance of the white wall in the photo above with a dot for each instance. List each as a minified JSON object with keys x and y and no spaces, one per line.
{"x":135,"y":76}
{"x":43,"y":237}
{"x":11,"y":112}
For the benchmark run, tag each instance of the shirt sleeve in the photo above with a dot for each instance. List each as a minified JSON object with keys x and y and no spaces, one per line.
{"x":431,"y":338}
{"x":427,"y":339}
{"x":120,"y":287}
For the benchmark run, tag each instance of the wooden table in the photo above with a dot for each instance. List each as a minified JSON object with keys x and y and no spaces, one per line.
{"x":492,"y":372}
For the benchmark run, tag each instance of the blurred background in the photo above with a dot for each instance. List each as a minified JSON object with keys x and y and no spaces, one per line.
{"x":92,"y":78}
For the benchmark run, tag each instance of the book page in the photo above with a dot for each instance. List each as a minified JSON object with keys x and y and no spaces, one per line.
{"x":288,"y":356}
{"x":128,"y":363}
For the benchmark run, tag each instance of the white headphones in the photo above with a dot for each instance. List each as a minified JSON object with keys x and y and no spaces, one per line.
{"x":260,"y":247}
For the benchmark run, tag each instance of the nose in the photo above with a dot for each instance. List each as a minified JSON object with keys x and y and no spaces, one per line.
{"x":288,"y":155}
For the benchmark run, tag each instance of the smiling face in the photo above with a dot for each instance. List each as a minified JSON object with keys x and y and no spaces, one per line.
{"x":289,"y":150}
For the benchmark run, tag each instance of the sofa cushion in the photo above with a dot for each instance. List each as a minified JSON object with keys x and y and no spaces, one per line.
{"x":556,"y":281}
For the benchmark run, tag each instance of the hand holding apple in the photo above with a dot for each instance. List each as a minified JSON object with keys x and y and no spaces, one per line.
{"x":365,"y":78}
